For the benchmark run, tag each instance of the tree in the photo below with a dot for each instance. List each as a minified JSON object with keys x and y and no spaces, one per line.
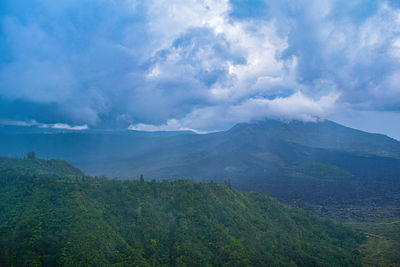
{"x":153,"y":246}
{"x":228,"y":183}
{"x":31,"y":155}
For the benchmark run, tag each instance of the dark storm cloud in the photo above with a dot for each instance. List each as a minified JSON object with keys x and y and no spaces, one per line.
{"x":195,"y":64}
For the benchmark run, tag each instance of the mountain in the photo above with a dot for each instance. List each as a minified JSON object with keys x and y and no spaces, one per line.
{"x":55,"y":220}
{"x":332,"y":170}
{"x":325,"y":134}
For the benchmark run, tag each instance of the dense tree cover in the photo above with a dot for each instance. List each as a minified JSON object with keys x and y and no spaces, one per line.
{"x":49,"y":219}
{"x":33,"y":165}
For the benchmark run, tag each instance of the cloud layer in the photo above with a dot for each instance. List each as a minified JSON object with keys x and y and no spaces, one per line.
{"x":201,"y":65}
{"x":61,"y":126}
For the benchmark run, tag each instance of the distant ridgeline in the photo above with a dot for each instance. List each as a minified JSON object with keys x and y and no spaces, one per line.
{"x":54,"y":215}
{"x":35,"y":166}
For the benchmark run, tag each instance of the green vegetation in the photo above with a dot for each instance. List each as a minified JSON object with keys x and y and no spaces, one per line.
{"x":51,"y":219}
{"x":383,"y":242}
{"x":33,"y":165}
{"x":322,"y":170}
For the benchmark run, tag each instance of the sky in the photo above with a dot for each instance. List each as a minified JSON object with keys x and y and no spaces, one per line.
{"x":200,"y":65}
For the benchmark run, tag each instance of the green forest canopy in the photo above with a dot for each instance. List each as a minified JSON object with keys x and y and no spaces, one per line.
{"x":54,"y":218}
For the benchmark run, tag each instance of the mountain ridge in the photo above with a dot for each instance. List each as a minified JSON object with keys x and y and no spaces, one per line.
{"x":327,"y":132}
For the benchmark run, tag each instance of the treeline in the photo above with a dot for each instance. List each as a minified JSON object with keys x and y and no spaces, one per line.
{"x":34,"y":165}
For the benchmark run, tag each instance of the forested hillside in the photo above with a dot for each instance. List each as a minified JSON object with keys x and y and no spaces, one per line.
{"x":55,"y":219}
{"x":37,"y":166}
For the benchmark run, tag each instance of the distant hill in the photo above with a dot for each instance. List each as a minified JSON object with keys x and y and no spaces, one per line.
{"x":327,"y":168}
{"x":38,"y":166}
{"x":325,"y":134}
{"x":74,"y":221}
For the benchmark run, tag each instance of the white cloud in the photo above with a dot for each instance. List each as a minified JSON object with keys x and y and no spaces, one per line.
{"x":256,"y":42}
{"x":170,"y":125}
{"x":168,"y":19}
{"x":30,"y":123}
{"x":19,"y":123}
{"x":359,"y":59}
{"x":69,"y":127}
{"x":214,"y":118}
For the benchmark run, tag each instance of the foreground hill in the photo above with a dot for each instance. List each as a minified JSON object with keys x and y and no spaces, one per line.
{"x":327,"y":168}
{"x":52,"y":220}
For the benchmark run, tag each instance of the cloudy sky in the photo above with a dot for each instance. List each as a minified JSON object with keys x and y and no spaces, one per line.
{"x":202,"y":65}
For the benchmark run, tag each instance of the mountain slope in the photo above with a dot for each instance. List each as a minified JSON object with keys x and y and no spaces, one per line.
{"x":326,"y":135}
{"x":327,"y":168}
{"x":48,"y":220}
